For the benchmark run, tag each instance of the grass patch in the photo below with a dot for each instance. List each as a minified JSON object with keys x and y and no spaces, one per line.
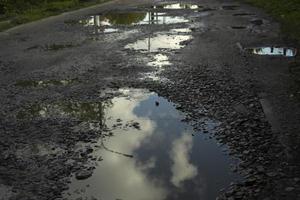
{"x":44,"y":10}
{"x":287,"y":12}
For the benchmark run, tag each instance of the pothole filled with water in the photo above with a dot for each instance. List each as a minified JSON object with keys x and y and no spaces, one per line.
{"x":158,"y":156}
{"x":273,"y":51}
{"x":159,"y":60}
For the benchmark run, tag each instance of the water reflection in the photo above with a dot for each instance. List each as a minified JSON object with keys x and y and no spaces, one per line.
{"x":181,"y":30}
{"x":159,"y":60}
{"x":181,"y":6}
{"x":273,"y":51}
{"x":162,"y":18}
{"x":182,"y":169}
{"x":167,"y":162}
{"x":159,"y":42}
{"x":132,"y":18}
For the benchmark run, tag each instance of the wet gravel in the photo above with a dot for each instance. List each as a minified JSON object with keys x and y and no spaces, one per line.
{"x":263,"y":162}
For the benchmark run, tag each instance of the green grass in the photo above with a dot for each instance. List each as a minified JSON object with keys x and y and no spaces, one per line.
{"x":42,"y":11}
{"x":287,"y":12}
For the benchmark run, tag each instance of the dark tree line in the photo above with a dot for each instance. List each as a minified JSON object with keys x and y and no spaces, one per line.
{"x":18,"y":6}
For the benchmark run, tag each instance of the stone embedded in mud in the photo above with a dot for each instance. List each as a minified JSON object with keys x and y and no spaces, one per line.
{"x":257,"y":22}
{"x":289,"y":189}
{"x":83,"y":174}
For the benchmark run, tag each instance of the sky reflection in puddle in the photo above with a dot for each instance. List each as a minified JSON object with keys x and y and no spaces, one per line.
{"x":159,"y":60}
{"x":181,"y":6}
{"x":167,"y":162}
{"x":159,"y":42}
{"x":273,"y":51}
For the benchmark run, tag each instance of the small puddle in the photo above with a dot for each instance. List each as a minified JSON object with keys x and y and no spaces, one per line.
{"x":157,"y":157}
{"x":178,"y":6}
{"x":273,"y":51}
{"x":45,"y":83}
{"x":181,"y":30}
{"x":160,"y":42}
{"x":159,"y":60}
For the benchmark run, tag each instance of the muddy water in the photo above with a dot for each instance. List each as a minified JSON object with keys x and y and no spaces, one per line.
{"x":152,"y":154}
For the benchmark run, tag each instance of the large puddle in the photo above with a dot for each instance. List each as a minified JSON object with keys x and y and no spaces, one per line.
{"x":155,"y":15}
{"x":150,"y":152}
{"x":132,"y":18}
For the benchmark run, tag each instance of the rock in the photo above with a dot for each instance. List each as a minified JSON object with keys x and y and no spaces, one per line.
{"x":289,"y":189}
{"x":271,"y":174}
{"x":83,"y":174}
{"x":257,"y":22}
{"x":156,"y":103}
{"x":240,"y":108}
{"x":260,"y":169}
{"x":250,"y":181}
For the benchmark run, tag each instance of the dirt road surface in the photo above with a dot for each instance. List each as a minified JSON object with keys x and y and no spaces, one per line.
{"x":150,"y":100}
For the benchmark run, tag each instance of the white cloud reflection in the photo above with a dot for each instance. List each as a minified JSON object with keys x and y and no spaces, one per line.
{"x":117,"y":176}
{"x":182,"y":169}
